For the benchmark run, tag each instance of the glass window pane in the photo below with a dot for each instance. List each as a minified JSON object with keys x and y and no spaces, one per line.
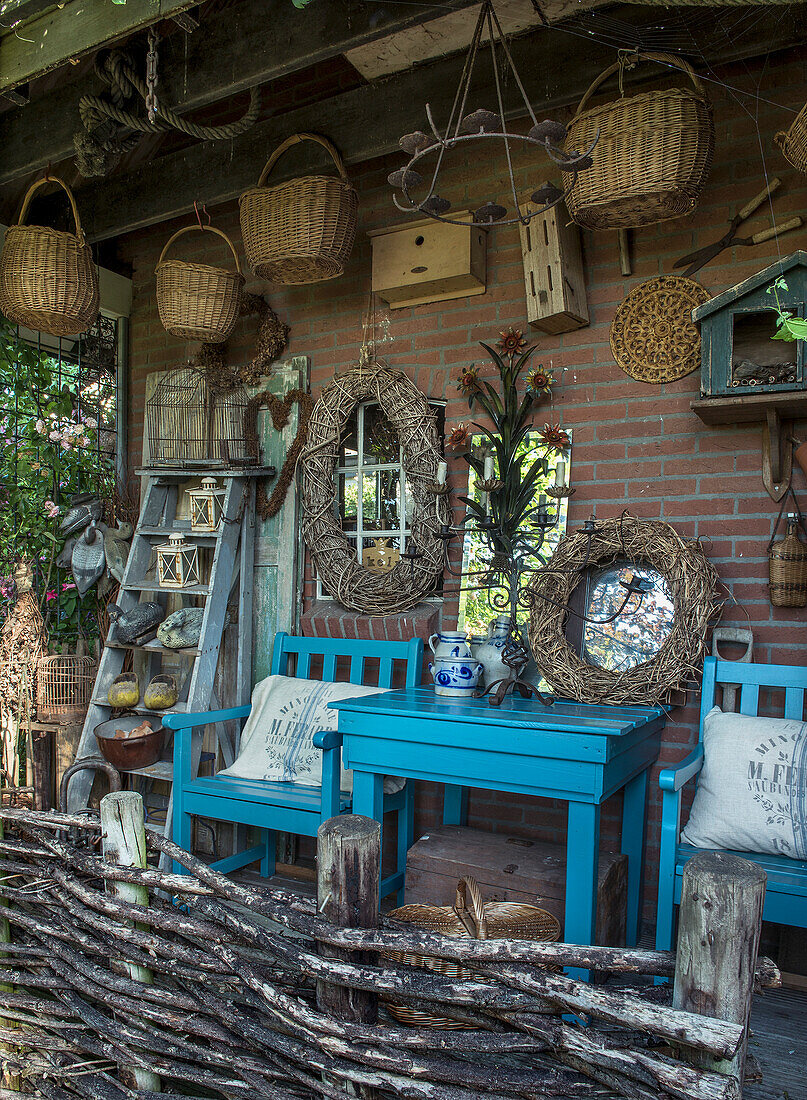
{"x":349,"y":448}
{"x":381,"y":444}
{"x":380,"y":497}
{"x":349,"y":500}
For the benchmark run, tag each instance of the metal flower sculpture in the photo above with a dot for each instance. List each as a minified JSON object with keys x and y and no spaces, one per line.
{"x":479,"y":125}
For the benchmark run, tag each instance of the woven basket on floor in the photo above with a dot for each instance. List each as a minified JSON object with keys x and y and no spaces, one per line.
{"x":196,"y":301}
{"x":793,"y":141}
{"x":300,"y":231}
{"x":787,"y":561}
{"x":64,"y":686}
{"x":48,"y":281}
{"x":652,"y":157}
{"x":489,"y":920}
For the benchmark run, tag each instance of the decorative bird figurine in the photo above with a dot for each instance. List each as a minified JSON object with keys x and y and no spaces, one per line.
{"x":65,"y":558}
{"x":182,"y":628}
{"x":116,"y":548}
{"x":88,"y":560}
{"x":137,"y":623}
{"x":84,"y":507}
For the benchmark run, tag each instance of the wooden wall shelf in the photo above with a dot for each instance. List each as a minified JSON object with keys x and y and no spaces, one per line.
{"x":749,"y":407}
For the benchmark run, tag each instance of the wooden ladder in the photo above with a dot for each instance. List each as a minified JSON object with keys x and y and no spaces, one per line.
{"x":229,"y":581}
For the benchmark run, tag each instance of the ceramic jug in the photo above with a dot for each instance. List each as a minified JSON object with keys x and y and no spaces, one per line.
{"x":450,"y":643}
{"x":455,"y":677}
{"x":489,"y":653}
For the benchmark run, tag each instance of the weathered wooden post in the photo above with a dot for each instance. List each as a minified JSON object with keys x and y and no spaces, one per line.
{"x":123,"y":838}
{"x":719,"y":925}
{"x":348,"y":894}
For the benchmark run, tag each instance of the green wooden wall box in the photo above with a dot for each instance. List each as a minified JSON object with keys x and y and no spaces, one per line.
{"x":738,"y":354}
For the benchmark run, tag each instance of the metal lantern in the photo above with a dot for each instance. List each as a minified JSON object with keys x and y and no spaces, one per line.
{"x":207,"y":505}
{"x":177,"y":563}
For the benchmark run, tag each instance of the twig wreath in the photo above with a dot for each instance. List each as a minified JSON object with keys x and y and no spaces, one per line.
{"x":280,"y":410}
{"x":213,"y":359}
{"x":691,"y":580}
{"x":334,"y":556}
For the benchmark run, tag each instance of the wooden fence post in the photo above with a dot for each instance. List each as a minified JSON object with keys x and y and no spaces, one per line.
{"x":123,"y":838}
{"x":718,"y":936}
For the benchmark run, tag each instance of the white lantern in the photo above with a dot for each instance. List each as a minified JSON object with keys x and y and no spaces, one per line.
{"x":207,"y":505}
{"x":177,"y":563}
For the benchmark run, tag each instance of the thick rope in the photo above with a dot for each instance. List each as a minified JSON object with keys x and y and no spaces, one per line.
{"x":98,"y":144}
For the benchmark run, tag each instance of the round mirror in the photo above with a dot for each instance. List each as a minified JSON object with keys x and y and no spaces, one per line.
{"x":627,"y":629}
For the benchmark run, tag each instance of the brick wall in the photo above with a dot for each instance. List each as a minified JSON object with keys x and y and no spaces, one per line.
{"x":635,"y":446}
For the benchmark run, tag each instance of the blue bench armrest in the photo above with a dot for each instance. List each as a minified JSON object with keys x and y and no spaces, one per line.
{"x":204,"y":718}
{"x":673,"y":779}
{"x":328,"y":739}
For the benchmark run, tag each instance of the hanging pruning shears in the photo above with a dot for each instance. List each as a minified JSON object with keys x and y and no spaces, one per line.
{"x":694,"y":261}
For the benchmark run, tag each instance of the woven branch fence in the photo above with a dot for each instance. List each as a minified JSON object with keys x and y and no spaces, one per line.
{"x":209,"y":987}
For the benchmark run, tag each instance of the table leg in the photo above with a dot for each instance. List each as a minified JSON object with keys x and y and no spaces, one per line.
{"x":368,"y":795}
{"x":455,"y":805}
{"x":633,"y":829}
{"x":582,"y":860}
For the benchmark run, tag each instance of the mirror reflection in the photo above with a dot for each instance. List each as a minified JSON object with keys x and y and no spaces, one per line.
{"x":637,"y":634}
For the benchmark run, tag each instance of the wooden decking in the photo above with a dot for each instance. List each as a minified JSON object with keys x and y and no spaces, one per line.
{"x":779,"y":1044}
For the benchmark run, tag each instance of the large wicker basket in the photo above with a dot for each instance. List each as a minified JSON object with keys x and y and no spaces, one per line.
{"x":787,"y":564}
{"x":48,"y":281}
{"x":489,"y":920}
{"x":793,"y":141}
{"x":652,"y":157}
{"x":300,"y":231}
{"x":196,"y":301}
{"x":64,"y":686}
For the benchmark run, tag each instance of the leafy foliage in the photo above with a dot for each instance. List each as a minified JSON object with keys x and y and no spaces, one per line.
{"x":790,"y":327}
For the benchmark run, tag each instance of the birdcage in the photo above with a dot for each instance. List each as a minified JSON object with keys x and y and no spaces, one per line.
{"x":64,"y":687}
{"x":190,"y":426}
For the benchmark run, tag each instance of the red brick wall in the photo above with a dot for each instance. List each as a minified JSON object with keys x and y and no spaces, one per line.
{"x":636,"y":446}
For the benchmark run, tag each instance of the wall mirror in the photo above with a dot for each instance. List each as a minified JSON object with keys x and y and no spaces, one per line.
{"x":475,"y":607}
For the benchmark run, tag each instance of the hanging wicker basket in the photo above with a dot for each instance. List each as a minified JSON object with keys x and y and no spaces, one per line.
{"x":653,"y":155}
{"x":64,"y":686}
{"x":48,"y":281}
{"x":793,"y":141}
{"x":300,"y":231}
{"x":787,"y":561}
{"x":196,"y":301}
{"x":489,"y":920}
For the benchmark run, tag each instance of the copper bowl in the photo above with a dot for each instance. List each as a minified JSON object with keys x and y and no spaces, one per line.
{"x":126,"y":753}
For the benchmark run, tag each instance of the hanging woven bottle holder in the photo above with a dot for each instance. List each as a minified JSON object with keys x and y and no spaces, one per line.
{"x":787,"y":560}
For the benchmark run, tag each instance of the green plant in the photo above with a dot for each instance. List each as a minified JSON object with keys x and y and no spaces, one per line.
{"x":790,"y":327}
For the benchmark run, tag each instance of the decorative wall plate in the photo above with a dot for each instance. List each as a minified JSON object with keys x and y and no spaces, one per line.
{"x":653,"y":336}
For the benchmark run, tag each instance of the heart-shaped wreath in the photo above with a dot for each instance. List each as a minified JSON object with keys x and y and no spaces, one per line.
{"x":280,"y":410}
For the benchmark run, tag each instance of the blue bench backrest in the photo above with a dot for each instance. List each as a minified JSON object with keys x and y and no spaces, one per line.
{"x":356,"y":651}
{"x":751,"y":678}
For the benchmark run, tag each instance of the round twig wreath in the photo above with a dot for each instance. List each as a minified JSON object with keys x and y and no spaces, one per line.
{"x":334,"y":555}
{"x":692,"y":583}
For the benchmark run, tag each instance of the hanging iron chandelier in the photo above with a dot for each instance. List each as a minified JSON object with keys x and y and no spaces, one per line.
{"x":485,"y":125}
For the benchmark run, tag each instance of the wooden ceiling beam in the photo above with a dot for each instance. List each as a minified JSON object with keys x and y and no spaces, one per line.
{"x":230,"y":53}
{"x":366,"y":123}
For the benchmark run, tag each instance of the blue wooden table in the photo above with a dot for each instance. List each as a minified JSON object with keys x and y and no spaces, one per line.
{"x":572,"y":751}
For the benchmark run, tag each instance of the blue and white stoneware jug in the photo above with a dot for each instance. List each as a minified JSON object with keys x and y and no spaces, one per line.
{"x":455,"y":677}
{"x":489,"y":653}
{"x":450,"y":643}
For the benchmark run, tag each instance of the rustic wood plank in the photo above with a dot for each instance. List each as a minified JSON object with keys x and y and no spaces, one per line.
{"x":230,"y":53}
{"x":73,"y":30}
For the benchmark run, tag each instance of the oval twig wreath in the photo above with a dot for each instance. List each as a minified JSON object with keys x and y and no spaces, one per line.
{"x":691,"y":580}
{"x":334,"y":556}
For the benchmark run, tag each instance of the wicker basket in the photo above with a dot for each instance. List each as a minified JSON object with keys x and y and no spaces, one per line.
{"x":787,"y":562}
{"x":64,"y":686}
{"x":489,"y":920}
{"x":793,"y":141}
{"x":48,"y":281}
{"x":196,"y":301}
{"x":300,"y":231}
{"x":652,"y":157}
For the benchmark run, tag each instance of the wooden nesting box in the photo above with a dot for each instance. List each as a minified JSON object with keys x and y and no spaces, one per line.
{"x":428,"y":261}
{"x":553,"y":271}
{"x":512,"y":869}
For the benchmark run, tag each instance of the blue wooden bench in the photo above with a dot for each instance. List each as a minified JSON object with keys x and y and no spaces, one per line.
{"x":290,"y":807}
{"x":786,"y":895}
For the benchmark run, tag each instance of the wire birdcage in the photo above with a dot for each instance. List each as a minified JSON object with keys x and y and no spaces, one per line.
{"x":190,"y":426}
{"x":64,"y":686}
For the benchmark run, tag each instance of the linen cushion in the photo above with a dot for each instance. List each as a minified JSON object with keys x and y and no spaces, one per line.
{"x":752,"y":789}
{"x":277,"y":742}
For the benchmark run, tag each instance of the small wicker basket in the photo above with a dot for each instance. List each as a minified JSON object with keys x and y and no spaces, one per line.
{"x":652,"y":157}
{"x":787,"y":561}
{"x":489,"y":920}
{"x":793,"y":141}
{"x":196,"y":301}
{"x":300,"y":231}
{"x":64,"y":686}
{"x":48,"y":281}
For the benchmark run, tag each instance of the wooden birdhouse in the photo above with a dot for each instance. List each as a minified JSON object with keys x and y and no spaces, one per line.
{"x":553,"y":271}
{"x":177,"y":563}
{"x":428,"y":261}
{"x":748,"y":376}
